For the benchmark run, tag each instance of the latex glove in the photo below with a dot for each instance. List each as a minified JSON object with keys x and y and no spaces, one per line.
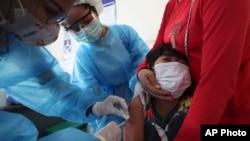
{"x":111,"y":132}
{"x":144,"y":96}
{"x":112,"y":105}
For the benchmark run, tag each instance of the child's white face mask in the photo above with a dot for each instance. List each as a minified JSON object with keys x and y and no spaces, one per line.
{"x":29,"y":30}
{"x":174,"y":77}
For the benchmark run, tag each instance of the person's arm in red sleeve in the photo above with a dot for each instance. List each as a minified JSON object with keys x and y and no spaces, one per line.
{"x":160,"y":35}
{"x":145,"y":75}
{"x":225,"y":41}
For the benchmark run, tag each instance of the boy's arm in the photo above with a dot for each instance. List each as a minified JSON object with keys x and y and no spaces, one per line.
{"x":133,"y":129}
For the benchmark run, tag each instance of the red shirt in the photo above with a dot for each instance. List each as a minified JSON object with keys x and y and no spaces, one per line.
{"x":219,"y":57}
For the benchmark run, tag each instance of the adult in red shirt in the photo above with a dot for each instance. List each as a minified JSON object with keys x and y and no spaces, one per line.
{"x":215,"y":36}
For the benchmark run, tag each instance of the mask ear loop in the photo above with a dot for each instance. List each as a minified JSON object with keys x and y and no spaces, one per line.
{"x":21,"y":6}
{"x":3,"y":21}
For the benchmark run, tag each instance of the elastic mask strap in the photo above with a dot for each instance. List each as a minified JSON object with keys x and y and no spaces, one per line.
{"x":21,"y":6}
{"x":1,"y":15}
{"x":3,"y":21}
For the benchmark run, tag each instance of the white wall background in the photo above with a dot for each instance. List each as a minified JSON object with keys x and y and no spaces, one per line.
{"x":143,"y":15}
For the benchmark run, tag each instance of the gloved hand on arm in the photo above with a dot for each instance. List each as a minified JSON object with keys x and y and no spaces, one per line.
{"x":111,"y":105}
{"x":111,"y":132}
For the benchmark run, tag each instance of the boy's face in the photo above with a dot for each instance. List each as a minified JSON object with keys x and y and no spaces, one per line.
{"x":167,"y":58}
{"x":173,"y":74}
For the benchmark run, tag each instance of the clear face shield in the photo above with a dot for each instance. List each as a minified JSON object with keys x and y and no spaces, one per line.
{"x":3,"y":21}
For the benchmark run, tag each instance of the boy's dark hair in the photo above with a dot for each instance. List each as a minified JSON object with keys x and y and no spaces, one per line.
{"x":163,"y":49}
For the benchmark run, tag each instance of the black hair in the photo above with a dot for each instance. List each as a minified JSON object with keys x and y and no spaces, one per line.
{"x":163,"y":49}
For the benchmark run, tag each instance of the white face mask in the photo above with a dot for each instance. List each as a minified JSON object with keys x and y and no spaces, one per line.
{"x":29,"y":30}
{"x":174,"y":77}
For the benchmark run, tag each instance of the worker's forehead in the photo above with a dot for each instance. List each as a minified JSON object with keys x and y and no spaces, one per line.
{"x":41,"y":9}
{"x":7,"y":6}
{"x":56,"y":5}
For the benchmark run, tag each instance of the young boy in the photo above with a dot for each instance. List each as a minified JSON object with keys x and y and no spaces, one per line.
{"x":156,"y":119}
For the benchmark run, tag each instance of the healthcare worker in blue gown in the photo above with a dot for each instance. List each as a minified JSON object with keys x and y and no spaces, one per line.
{"x":33,"y":77}
{"x":106,"y":58}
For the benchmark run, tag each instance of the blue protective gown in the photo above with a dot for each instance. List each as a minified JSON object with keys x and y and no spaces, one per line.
{"x":108,"y":65}
{"x":22,"y":128}
{"x":33,"y":77}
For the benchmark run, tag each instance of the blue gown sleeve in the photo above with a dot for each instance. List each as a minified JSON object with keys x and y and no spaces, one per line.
{"x":16,"y":127}
{"x":54,"y":97}
{"x":33,"y":77}
{"x":137,"y":48}
{"x":84,"y":75}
